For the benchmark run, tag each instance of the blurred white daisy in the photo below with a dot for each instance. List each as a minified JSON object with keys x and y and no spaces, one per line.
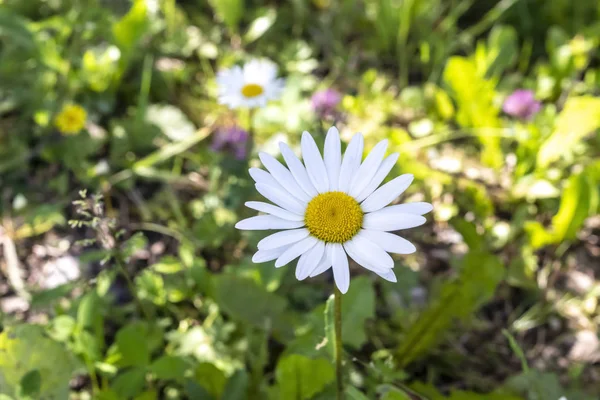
{"x":330,"y":207}
{"x":252,"y":85}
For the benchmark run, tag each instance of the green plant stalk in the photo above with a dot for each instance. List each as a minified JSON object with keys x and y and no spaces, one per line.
{"x":251,"y":135}
{"x":120,"y":261}
{"x":338,"y":343}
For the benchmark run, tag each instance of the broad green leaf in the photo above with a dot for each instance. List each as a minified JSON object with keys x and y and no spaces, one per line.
{"x":132,"y":345}
{"x":169,"y":368}
{"x":354,"y":394}
{"x":24,"y":349}
{"x":432,"y":393}
{"x":396,"y":395}
{"x":236,"y":387}
{"x":129,"y":383}
{"x":147,"y":395}
{"x":579,"y":117}
{"x":211,"y":378}
{"x":30,"y":385}
{"x":459,"y":299}
{"x":299,"y":377}
{"x":246,"y":301}
{"x":358,"y":305}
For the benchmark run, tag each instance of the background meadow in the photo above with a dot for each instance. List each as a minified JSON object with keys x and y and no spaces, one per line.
{"x":122,"y":275}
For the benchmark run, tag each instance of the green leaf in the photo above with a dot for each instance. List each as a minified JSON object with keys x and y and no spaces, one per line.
{"x":577,"y":202}
{"x":354,"y":394}
{"x":476,"y":106}
{"x":62,"y":327}
{"x":88,"y":312}
{"x":129,"y":29}
{"x":458,"y":299}
{"x":132,"y":345}
{"x":358,"y":305}
{"x":229,"y":11}
{"x":503,"y":49}
{"x":579,"y":117}
{"x":151,"y":286}
{"x":30,"y":385}
{"x":15,"y":27}
{"x":246,"y":301}
{"x":130,"y":383}
{"x":24,"y":349}
{"x":168,"y":265}
{"x":299,"y":377}
{"x":236,"y":387}
{"x":211,"y":378}
{"x":396,"y":395}
{"x":169,"y":368}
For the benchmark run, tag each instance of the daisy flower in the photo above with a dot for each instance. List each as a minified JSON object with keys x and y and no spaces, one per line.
{"x":252,"y":85}
{"x":332,"y":207}
{"x":71,"y":119}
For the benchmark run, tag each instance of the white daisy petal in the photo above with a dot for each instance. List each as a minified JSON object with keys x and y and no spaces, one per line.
{"x":341,"y":271}
{"x":274,"y":210}
{"x":262,"y":176}
{"x":309,"y":261}
{"x":418,"y":208}
{"x":315,"y":167}
{"x":351,"y":162}
{"x":324,"y":263}
{"x":266,"y":222}
{"x":282,"y":238}
{"x":362,"y":256}
{"x":389,"y":276}
{"x":281,"y":198}
{"x":383,"y":171}
{"x":296,"y":250}
{"x":283,"y":176}
{"x":333,"y":157}
{"x":262,"y":256}
{"x":385,"y":222}
{"x":297,"y":169}
{"x":390,"y":242}
{"x":377,"y":256}
{"x":387,"y":193}
{"x":368,"y":168}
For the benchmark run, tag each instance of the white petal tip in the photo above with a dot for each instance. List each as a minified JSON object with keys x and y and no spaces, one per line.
{"x":343,"y":288}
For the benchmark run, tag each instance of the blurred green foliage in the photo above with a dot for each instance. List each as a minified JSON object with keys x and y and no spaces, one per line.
{"x":169,"y":305}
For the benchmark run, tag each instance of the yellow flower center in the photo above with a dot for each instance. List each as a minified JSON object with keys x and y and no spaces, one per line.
{"x":333,"y":217}
{"x":252,"y":90}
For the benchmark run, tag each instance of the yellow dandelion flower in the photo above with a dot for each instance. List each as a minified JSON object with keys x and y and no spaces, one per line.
{"x":71,"y":119}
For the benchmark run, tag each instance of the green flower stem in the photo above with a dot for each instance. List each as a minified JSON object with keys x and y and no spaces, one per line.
{"x":251,"y":135}
{"x":338,"y":343}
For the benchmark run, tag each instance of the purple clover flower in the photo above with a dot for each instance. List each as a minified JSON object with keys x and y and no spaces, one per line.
{"x":324,"y":102}
{"x":233,"y":139}
{"x":521,"y":104}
